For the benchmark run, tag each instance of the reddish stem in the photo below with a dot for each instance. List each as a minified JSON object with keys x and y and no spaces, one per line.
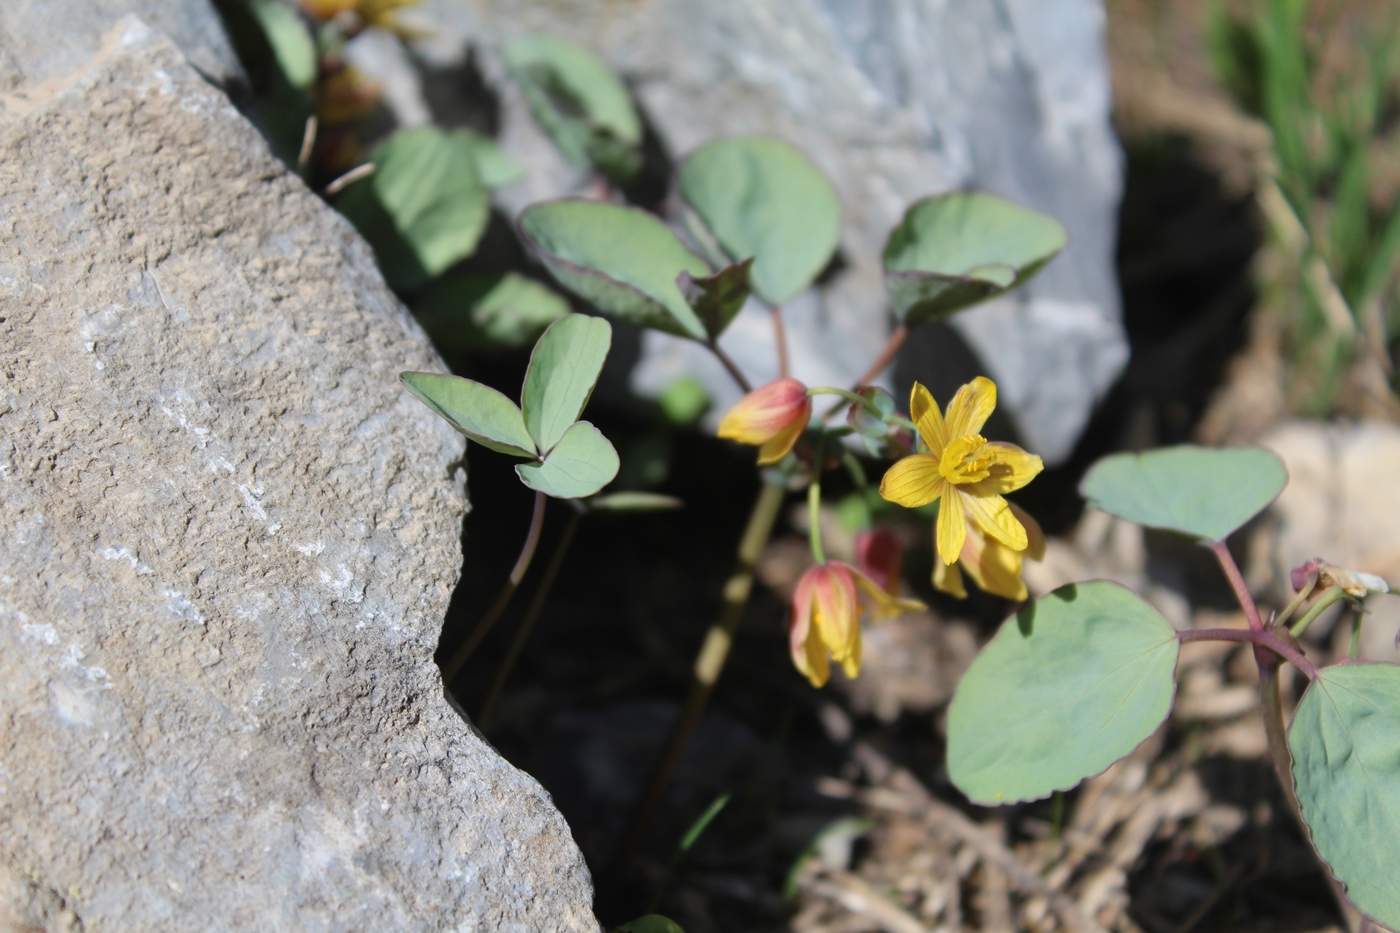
{"x":1232,"y":571}
{"x":1259,"y":637}
{"x":780,"y":333}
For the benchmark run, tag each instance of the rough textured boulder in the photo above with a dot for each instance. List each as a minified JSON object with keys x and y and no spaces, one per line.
{"x":230,"y":539}
{"x":45,"y":39}
{"x":895,"y":101}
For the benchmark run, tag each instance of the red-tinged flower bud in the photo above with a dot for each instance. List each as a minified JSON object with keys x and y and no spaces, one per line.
{"x":1298,"y":576}
{"x":880,"y":557}
{"x":772,"y":416}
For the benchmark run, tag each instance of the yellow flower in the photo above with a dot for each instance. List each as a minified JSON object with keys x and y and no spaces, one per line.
{"x":772,"y":416}
{"x":993,"y":566}
{"x":964,"y":469}
{"x":382,"y":13}
{"x":826,"y":618}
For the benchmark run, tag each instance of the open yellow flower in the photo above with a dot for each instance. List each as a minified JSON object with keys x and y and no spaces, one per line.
{"x":826,"y":618}
{"x":993,"y":566}
{"x":966,"y":471}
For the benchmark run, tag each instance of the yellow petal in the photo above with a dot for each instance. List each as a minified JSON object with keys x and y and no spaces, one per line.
{"x":808,"y":652}
{"x":947,"y":579}
{"x":1035,"y":535}
{"x":913,"y":481}
{"x":971,"y":407}
{"x":994,"y":567}
{"x":851,"y":662}
{"x":777,"y":448}
{"x":1010,"y":468}
{"x":884,"y":604}
{"x":993,"y":516}
{"x":951,"y":531}
{"x":923,"y":411}
{"x":836,"y":614}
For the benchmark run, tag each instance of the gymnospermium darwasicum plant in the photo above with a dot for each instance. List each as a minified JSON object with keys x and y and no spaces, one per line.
{"x":1073,"y":681}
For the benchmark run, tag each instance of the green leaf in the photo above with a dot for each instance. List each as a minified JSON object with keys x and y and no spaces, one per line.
{"x":864,"y":422}
{"x":763,"y":199}
{"x":424,"y":208}
{"x":703,"y":822}
{"x":582,"y":463}
{"x":954,"y":250}
{"x":494,"y":168}
{"x":290,"y":40}
{"x":478,"y":411}
{"x":635,"y":502}
{"x":578,"y":100}
{"x":1198,"y":491}
{"x":651,"y":923}
{"x":621,"y":260}
{"x":564,"y":368}
{"x":717,"y":298}
{"x":467,"y":311}
{"x":1071,"y":683}
{"x":1344,"y":740}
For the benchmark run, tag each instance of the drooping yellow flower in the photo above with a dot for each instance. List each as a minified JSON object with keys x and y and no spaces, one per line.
{"x":772,"y":416}
{"x":826,"y":618}
{"x":993,"y":566}
{"x":966,"y":471}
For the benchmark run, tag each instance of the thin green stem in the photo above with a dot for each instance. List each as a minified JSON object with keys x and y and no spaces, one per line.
{"x":527,"y":624}
{"x":854,"y":398}
{"x":1318,"y":607}
{"x":517,"y":573}
{"x":1354,"y":647}
{"x":1299,"y":598}
{"x":853,"y":467}
{"x":709,"y":663}
{"x":1232,"y":571}
{"x":1259,"y":637}
{"x":814,"y":503}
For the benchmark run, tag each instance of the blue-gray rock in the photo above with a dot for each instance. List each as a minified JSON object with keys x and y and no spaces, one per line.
{"x":894,"y":100}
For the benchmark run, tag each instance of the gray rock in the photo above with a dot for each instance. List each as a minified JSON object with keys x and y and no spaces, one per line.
{"x":229,"y":542}
{"x":41,"y":40}
{"x":894,"y":100}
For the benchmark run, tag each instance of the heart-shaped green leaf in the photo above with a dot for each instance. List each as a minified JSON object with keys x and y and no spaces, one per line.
{"x":1344,"y":739}
{"x":1198,"y":491}
{"x":621,"y":260}
{"x":954,"y":250}
{"x":763,"y":199}
{"x":1071,"y":683}
{"x":424,"y":207}
{"x":465,"y":310}
{"x":717,"y":298}
{"x":478,"y":411}
{"x":494,"y":168}
{"x":578,"y":100}
{"x":564,"y":368}
{"x":582,"y":463}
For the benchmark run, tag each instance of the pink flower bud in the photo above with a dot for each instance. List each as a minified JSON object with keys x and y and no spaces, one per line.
{"x":772,"y":416}
{"x":880,"y":557}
